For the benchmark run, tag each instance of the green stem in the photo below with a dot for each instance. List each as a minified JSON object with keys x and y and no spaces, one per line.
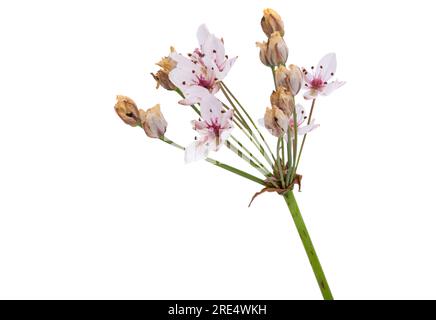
{"x":172,"y":143}
{"x":279,"y":163}
{"x":249,"y":134}
{"x":245,"y":127}
{"x":256,"y":143}
{"x":252,"y":156}
{"x":224,"y":87}
{"x":282,"y":146}
{"x":304,"y":138}
{"x":295,"y":146}
{"x":274,"y":76}
{"x":249,"y":160}
{"x":238,"y":113}
{"x":219,"y":164}
{"x":290,"y":161}
{"x":235,"y":171}
{"x":308,"y":245}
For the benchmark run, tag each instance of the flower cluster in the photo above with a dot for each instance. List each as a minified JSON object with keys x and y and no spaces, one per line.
{"x":199,"y":76}
{"x":198,"y":79}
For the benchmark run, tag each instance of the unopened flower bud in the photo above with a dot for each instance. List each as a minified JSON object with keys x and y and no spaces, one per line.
{"x":127,"y":110}
{"x":166,"y":64}
{"x":275,"y":121}
{"x":274,"y":52}
{"x":272,"y":22}
{"x":277,"y":52}
{"x":153,"y":122}
{"x":291,"y":78}
{"x":284,"y":100}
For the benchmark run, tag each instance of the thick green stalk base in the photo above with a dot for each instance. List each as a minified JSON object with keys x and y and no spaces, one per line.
{"x":308,"y":245}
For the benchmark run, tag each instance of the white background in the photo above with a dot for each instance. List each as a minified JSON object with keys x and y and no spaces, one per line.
{"x":91,"y":208}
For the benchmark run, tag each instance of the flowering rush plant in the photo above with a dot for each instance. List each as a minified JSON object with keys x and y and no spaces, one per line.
{"x":198,"y":77}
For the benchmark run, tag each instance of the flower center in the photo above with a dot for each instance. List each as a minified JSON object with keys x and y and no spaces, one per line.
{"x":204,"y":82}
{"x":214,"y":126}
{"x":317,"y":83}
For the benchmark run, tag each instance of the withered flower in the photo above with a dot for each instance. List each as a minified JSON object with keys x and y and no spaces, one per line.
{"x":284,"y":100}
{"x":153,"y":122}
{"x":277,"y":49}
{"x":275,"y":121}
{"x":291,"y":78}
{"x":274,"y":52}
{"x":166,"y":65}
{"x":162,"y":80}
{"x":272,"y":22}
{"x":127,"y":110}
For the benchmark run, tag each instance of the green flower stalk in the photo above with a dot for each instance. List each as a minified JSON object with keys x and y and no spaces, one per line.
{"x":222,"y":121}
{"x":308,"y":245}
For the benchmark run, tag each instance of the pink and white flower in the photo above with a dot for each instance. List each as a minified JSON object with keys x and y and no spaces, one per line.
{"x":199,"y":72}
{"x":301,"y":117}
{"x":213,"y":128}
{"x":316,"y":81}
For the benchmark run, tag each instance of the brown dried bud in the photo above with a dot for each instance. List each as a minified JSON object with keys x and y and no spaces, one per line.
{"x":277,"y":52}
{"x":274,"y":52}
{"x":275,"y":121}
{"x":153,"y":122}
{"x":284,"y":100}
{"x":291,"y":78}
{"x":272,"y":22}
{"x":127,"y":110}
{"x":162,"y":79}
{"x":166,"y":64}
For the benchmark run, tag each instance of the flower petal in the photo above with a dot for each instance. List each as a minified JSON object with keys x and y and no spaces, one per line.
{"x":200,"y":126}
{"x":326,"y":67}
{"x":310,"y":127}
{"x":202,"y":35}
{"x":184,"y":62}
{"x":197,"y":150}
{"x":310,"y":94}
{"x":193,"y":94}
{"x":261,"y":122}
{"x":224,"y":135}
{"x":226,"y":118}
{"x":332,"y":86}
{"x":182,"y":78}
{"x":226,"y":68}
{"x":307,"y":76}
{"x":210,"y":108}
{"x":301,"y":115}
{"x":214,"y":49}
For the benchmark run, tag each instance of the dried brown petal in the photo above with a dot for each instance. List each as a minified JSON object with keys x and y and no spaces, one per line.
{"x":262,"y":53}
{"x":162,"y":79}
{"x":162,"y":76}
{"x":291,"y":78}
{"x":127,"y":110}
{"x":166,"y":63}
{"x":284,"y":100}
{"x":275,"y":121}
